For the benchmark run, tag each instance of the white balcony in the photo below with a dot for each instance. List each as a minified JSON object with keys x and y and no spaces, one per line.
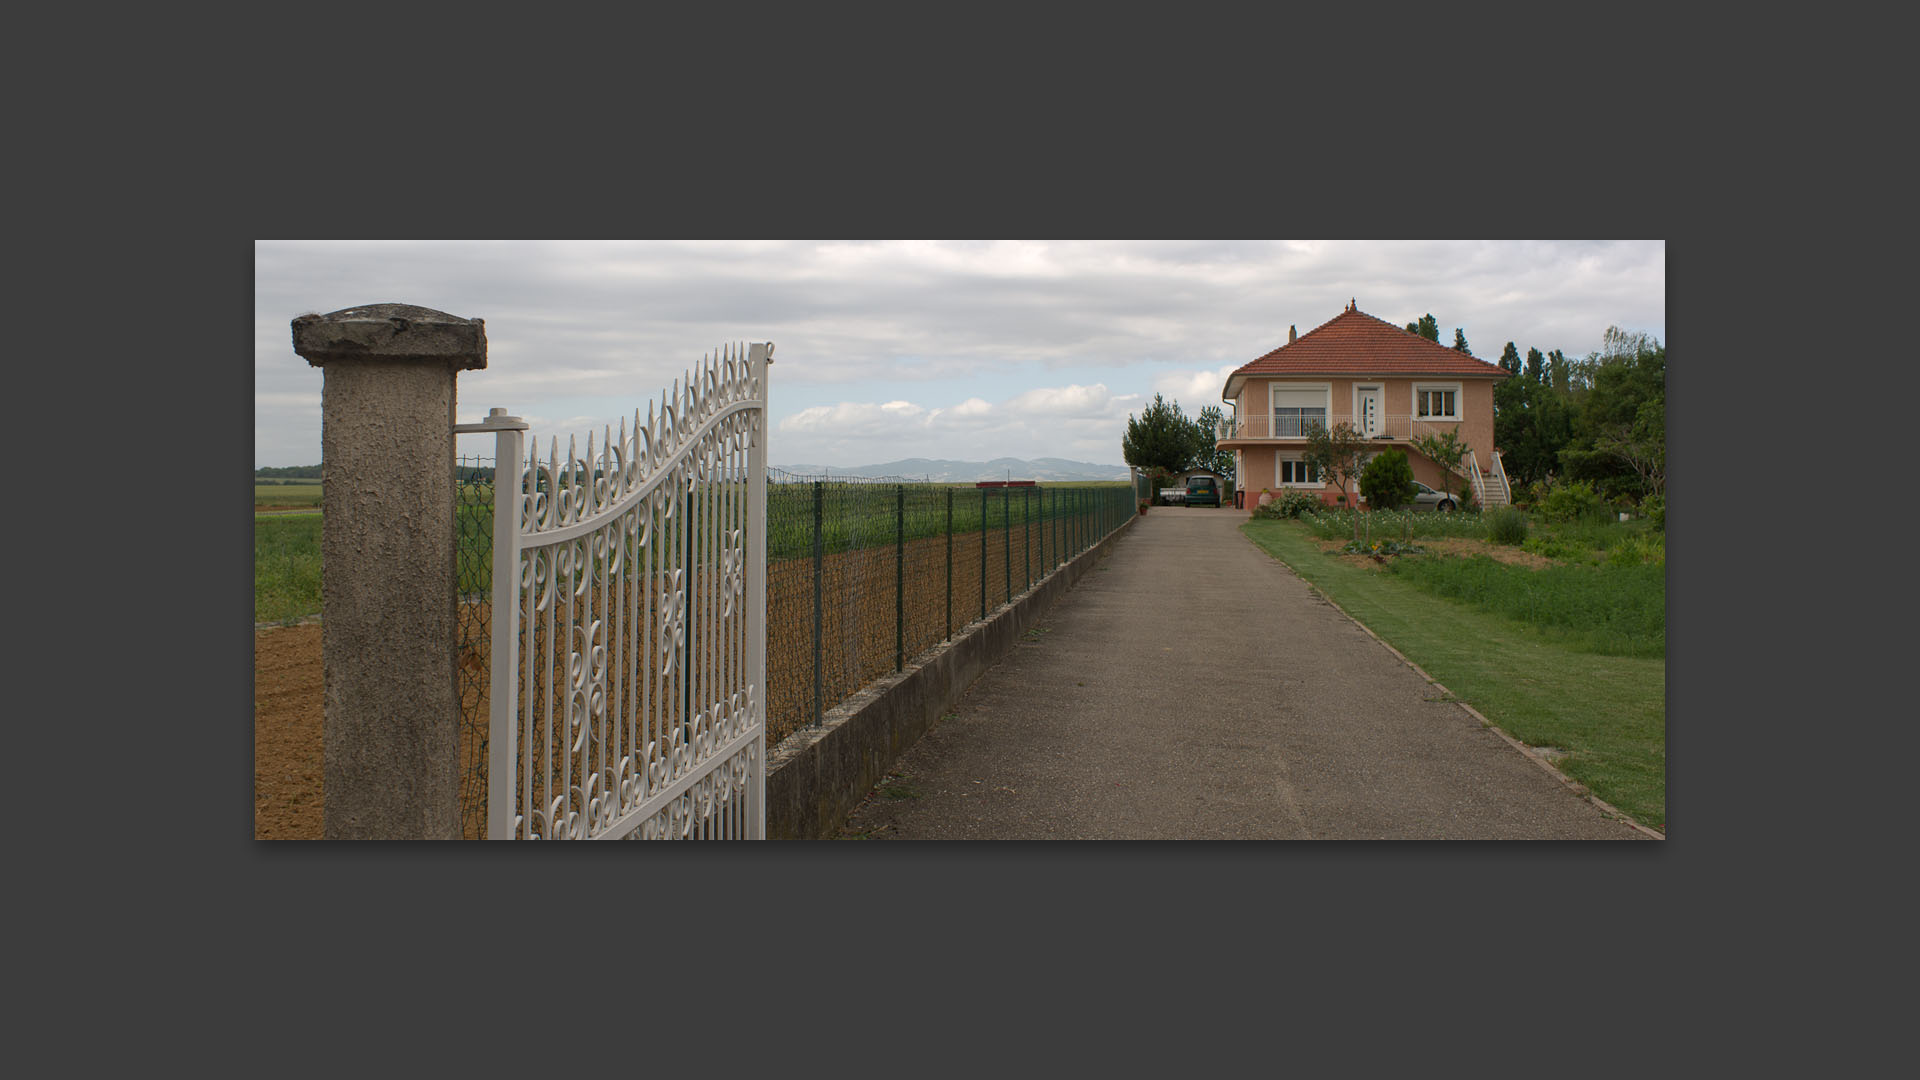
{"x":1388,"y":428}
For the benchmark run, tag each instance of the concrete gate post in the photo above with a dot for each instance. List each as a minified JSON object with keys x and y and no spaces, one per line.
{"x":387,"y":565}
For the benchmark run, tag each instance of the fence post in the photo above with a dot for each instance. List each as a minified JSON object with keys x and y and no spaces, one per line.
{"x":390,"y":755}
{"x":1006,"y":538}
{"x":509,"y":448}
{"x":819,"y":551}
{"x":899,"y":576}
{"x":949,"y":631}
{"x":983,"y":553}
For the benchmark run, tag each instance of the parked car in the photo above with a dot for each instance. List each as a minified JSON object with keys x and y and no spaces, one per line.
{"x":1425,"y":498}
{"x":1203,"y":491}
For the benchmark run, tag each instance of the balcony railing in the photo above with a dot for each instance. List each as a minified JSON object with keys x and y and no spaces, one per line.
{"x":1399,"y":427}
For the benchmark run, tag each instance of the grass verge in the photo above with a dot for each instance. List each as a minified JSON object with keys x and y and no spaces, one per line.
{"x":1608,"y":713}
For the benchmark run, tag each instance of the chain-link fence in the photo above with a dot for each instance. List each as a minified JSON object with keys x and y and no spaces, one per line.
{"x":865,"y":575}
{"x":862,"y":577}
{"x":473,"y":586}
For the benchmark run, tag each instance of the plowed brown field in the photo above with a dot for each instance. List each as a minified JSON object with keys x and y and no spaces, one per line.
{"x":857,"y":646}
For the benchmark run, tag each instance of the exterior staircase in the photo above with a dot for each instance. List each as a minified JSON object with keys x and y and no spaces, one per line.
{"x":1490,"y":487}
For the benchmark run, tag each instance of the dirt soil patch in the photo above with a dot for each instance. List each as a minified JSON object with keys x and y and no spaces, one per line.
{"x":857,"y":647}
{"x":287,"y":710}
{"x":1449,"y":546}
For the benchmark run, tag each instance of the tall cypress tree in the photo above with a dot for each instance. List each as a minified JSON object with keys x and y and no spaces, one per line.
{"x":1460,"y":342}
{"x":1536,"y":366}
{"x":1510,"y":360}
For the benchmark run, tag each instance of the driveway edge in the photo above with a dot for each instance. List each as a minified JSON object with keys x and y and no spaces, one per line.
{"x":1527,"y":751}
{"x":817,"y":776}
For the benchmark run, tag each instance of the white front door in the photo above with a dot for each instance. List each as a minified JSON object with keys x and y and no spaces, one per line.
{"x":1366,"y":407}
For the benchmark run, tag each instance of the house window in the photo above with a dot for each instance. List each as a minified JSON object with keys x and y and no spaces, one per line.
{"x":1436,"y":402}
{"x":1296,"y":409}
{"x":1289,"y":422}
{"x":1295,"y":471}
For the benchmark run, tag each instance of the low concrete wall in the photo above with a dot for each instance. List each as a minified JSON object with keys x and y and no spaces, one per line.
{"x":819,"y":774}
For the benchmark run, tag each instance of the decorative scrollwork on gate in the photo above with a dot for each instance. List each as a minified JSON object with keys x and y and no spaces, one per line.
{"x":637,"y":678}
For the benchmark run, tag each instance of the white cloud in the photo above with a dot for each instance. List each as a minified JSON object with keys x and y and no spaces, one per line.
{"x":1195,"y":390}
{"x":923,"y":348}
{"x":1063,"y":401}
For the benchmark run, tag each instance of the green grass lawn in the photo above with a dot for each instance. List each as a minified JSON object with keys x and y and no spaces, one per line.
{"x":1541,"y":681}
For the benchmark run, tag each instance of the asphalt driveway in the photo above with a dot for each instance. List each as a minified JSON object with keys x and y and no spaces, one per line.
{"x":1192,"y":687}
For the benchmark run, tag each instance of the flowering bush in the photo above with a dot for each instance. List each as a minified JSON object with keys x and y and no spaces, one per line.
{"x":1290,"y":504}
{"x":1380,"y":548}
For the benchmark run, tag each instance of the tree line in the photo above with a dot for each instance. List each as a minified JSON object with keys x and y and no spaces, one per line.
{"x":1600,"y":420}
{"x":462,"y":474}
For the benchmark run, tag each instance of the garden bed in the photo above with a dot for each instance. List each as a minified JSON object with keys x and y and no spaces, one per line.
{"x":1458,"y":546}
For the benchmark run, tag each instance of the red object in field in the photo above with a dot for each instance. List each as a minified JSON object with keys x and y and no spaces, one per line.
{"x":1007,"y":483}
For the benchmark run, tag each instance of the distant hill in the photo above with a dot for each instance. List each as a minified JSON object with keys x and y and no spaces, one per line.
{"x":941,"y":471}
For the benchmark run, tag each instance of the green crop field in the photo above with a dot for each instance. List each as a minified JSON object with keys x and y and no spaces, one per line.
{"x":295,"y":493}
{"x":852,"y":517}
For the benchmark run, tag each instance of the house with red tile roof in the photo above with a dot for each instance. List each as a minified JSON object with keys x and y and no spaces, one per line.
{"x":1392,"y":386}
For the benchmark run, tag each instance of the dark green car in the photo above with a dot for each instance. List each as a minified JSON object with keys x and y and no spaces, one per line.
{"x":1203,"y":491}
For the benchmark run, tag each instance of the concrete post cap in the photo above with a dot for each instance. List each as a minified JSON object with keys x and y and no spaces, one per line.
{"x":391,"y":332}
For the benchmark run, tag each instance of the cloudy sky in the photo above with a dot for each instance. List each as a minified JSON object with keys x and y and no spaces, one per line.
{"x":893,"y":349}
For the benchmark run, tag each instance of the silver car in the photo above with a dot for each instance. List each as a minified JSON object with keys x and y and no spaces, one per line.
{"x":1425,"y":498}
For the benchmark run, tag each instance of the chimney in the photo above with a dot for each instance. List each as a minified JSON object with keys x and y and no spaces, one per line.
{"x":1291,"y":334}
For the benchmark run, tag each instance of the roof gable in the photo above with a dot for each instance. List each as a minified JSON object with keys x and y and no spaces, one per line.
{"x":1354,"y":343}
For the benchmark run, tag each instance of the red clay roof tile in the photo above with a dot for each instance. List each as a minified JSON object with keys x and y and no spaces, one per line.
{"x":1356,"y":343}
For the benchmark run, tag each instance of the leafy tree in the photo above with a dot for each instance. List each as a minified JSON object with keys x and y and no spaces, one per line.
{"x":1510,"y":360}
{"x":1445,"y":450}
{"x":1337,"y":454}
{"x":1618,"y":440}
{"x":1207,"y":452}
{"x":1531,"y":423}
{"x":1428,"y":327}
{"x":1641,"y":445}
{"x":1161,"y":439}
{"x":1460,"y":342}
{"x":1387,"y":480}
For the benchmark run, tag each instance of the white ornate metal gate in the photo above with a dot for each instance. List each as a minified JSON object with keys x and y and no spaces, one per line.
{"x":628,"y":665}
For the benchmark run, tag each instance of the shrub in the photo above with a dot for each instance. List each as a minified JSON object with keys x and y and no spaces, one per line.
{"x":1560,"y":549}
{"x":1294,"y":503}
{"x":1573,"y":501}
{"x":1387,"y":481}
{"x":1290,"y":504}
{"x":1637,"y":550}
{"x":1505,"y":525}
{"x":1655,"y":507}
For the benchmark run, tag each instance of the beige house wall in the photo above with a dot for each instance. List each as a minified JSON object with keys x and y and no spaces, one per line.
{"x":1259,"y":467}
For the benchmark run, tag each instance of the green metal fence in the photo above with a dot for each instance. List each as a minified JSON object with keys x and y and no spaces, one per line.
{"x":863,"y":576}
